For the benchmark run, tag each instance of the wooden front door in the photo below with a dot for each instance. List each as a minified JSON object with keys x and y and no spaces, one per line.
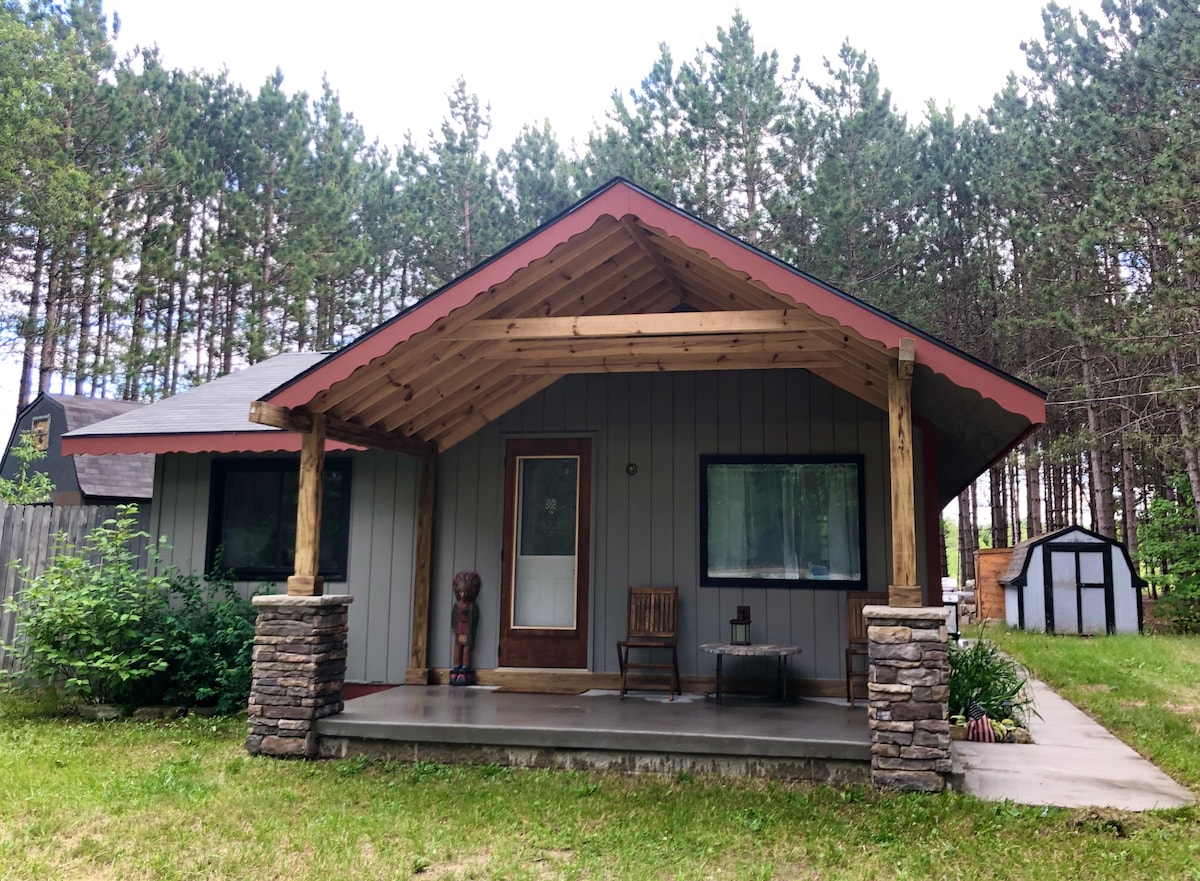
{"x":544,"y":596}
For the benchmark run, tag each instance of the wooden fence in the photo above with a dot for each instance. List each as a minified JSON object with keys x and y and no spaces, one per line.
{"x":31,"y":536}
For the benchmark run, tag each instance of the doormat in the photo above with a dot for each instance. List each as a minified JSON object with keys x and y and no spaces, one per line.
{"x":543,"y":689}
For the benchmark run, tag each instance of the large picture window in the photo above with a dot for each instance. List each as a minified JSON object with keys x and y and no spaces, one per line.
{"x":252,"y":518}
{"x":782,"y":521}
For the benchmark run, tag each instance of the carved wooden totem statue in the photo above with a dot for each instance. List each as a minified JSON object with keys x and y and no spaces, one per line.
{"x":464,"y":623}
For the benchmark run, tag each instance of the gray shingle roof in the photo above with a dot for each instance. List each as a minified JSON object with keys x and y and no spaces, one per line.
{"x":222,"y":405}
{"x":129,"y":476}
{"x":81,"y":412}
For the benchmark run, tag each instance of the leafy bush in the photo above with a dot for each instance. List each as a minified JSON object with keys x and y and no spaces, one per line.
{"x":1180,"y":608}
{"x":1169,"y":547}
{"x":980,"y":673}
{"x":82,"y":623}
{"x":97,"y":627}
{"x":27,"y":488}
{"x":210,"y":635}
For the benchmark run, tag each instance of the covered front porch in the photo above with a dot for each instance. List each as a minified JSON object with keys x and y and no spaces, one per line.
{"x":733,"y":361}
{"x":821,"y":740}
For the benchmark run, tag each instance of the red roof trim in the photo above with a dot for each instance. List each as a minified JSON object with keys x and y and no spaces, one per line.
{"x":621,"y":199}
{"x":213,"y":442}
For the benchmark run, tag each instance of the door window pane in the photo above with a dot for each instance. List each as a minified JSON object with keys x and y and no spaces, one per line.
{"x":1091,"y":567}
{"x":547,"y":493}
{"x":547,"y":522}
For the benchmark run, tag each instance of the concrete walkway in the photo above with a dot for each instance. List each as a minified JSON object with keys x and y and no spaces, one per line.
{"x":1073,"y":763}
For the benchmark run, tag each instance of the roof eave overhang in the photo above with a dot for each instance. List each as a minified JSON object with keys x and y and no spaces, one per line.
{"x":260,"y":441}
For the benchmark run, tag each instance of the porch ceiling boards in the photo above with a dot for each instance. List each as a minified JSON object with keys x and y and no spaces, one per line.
{"x":599,"y":302}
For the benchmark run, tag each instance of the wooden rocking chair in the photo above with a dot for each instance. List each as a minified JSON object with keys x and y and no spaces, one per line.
{"x":856,"y":627}
{"x":653,"y":623}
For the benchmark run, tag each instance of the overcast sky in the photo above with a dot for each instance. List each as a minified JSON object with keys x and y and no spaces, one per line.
{"x":393,"y":63}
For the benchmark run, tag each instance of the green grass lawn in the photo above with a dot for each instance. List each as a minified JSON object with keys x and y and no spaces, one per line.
{"x":1144,"y":689}
{"x":181,"y":800}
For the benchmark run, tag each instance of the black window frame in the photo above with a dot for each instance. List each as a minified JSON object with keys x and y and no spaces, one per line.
{"x":330,"y":570}
{"x":857,"y":460}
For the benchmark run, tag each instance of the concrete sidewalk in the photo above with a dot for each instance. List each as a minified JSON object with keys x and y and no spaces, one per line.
{"x":1072,"y":763}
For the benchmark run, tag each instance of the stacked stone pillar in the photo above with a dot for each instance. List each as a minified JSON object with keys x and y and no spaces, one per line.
{"x":909,"y":691}
{"x":298,"y":672}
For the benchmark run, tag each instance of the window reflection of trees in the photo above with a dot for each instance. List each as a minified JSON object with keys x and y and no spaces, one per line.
{"x":783,"y":520}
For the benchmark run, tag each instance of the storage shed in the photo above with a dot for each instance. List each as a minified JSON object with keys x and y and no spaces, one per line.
{"x":1073,"y":580}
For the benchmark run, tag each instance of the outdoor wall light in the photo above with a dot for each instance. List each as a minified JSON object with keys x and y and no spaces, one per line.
{"x":739,"y":627}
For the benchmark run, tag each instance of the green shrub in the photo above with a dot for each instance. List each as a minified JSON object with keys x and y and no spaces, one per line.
{"x":82,"y":624}
{"x":1169,"y":551}
{"x":95,"y":626}
{"x":209,"y":630}
{"x":980,"y":673}
{"x":28,"y":487}
{"x":1180,"y":608}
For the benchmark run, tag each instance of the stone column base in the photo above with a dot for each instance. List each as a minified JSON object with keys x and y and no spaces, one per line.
{"x":909,"y":691}
{"x":298,"y":672}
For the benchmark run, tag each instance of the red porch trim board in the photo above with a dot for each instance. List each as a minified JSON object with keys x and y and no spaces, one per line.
{"x":210,"y":442}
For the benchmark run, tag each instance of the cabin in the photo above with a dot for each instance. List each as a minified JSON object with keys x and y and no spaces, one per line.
{"x":627,"y":396}
{"x":84,"y":479}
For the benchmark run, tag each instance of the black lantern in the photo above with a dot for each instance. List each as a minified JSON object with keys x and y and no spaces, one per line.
{"x":739,"y":627}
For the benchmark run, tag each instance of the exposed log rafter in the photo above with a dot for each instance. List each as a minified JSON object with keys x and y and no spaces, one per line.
{"x":335,"y":429}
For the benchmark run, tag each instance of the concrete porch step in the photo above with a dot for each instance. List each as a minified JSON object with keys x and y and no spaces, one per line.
{"x":811,"y":739}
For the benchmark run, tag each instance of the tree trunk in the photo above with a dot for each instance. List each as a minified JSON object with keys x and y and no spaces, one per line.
{"x":1190,"y":458}
{"x":1014,"y":499}
{"x":998,"y":506}
{"x":29,"y":331}
{"x":1033,"y":488}
{"x":54,"y":282}
{"x":1128,"y":498}
{"x":86,"y":296}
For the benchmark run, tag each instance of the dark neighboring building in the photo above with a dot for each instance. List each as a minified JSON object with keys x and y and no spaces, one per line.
{"x":81,"y":480}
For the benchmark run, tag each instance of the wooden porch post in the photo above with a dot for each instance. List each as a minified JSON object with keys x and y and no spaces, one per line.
{"x":903,"y":590}
{"x":418,"y":659}
{"x":305,"y":581}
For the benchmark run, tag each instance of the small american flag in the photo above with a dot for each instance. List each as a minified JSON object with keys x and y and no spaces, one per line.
{"x":979,"y":726}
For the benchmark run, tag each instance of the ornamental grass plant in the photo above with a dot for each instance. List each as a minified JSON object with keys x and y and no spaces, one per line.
{"x":980,"y":673}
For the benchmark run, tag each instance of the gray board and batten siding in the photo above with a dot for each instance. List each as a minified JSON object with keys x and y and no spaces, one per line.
{"x":645,"y":528}
{"x":383,"y":505}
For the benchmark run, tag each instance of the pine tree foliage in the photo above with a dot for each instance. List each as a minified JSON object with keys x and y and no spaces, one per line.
{"x":161,"y":227}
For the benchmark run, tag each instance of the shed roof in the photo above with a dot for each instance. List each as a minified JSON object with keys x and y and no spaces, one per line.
{"x":622,"y":282}
{"x":81,"y":411}
{"x":1018,"y":563}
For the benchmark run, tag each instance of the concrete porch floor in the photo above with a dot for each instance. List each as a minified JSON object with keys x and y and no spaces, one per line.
{"x":810,"y":739}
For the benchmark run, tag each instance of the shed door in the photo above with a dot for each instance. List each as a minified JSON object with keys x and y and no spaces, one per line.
{"x":1095,"y":605}
{"x":544,"y":596}
{"x":1080,"y":591}
{"x":1062,"y":612}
